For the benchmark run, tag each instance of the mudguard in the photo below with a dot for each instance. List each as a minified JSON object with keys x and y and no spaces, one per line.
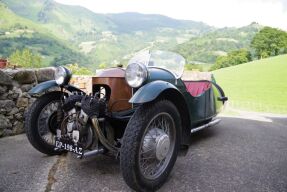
{"x":42,"y":87}
{"x":151,"y":91}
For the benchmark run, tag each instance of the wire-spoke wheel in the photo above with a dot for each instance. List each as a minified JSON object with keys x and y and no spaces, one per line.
{"x":150,"y":145}
{"x":41,"y":122}
{"x":157,"y":146}
{"x":47,"y":122}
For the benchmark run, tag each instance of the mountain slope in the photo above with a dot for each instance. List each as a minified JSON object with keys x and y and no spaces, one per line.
{"x":106,"y":38}
{"x":64,"y":21}
{"x":70,"y":21}
{"x":259,"y":85}
{"x":208,"y":46}
{"x":113,"y":38}
{"x":130,"y":22}
{"x":19,"y":33}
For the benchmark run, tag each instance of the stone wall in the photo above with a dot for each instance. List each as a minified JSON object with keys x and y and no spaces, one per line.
{"x":83,"y":82}
{"x":14,"y":99}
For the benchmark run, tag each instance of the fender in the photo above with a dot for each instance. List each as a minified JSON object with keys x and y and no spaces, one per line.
{"x":42,"y":87}
{"x":150,"y":91}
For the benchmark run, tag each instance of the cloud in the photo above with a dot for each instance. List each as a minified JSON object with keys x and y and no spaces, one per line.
{"x":219,"y":13}
{"x":284,"y":4}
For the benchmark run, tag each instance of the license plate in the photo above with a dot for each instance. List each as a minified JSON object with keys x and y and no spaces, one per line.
{"x":68,"y":146}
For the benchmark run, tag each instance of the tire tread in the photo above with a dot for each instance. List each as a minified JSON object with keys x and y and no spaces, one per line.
{"x":31,"y":120}
{"x":131,"y":141}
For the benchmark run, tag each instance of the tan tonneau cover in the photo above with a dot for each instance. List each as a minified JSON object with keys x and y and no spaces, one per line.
{"x":196,"y":76}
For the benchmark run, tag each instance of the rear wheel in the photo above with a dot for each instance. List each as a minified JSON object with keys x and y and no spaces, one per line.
{"x":150,"y":145}
{"x":41,"y":122}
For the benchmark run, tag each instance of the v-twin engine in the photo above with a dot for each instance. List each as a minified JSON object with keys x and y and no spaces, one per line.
{"x":76,"y":126}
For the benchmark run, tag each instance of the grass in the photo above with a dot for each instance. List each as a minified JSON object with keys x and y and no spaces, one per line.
{"x":256,"y":86}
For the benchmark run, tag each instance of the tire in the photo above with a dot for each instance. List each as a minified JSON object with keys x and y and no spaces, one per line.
{"x":32,"y":125}
{"x":134,"y":140}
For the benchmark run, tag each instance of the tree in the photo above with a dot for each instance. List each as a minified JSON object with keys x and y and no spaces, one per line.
{"x":15,"y":58}
{"x":102,"y":66}
{"x":25,"y":58}
{"x":196,"y":67}
{"x":233,"y":58}
{"x":77,"y":70}
{"x":269,"y":42}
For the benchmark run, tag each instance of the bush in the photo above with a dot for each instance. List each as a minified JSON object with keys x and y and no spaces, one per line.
{"x":76,"y":70}
{"x":233,"y":58}
{"x":25,"y":58}
{"x":194,"y":67}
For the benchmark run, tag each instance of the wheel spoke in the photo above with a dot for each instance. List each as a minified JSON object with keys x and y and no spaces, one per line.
{"x":149,"y":169}
{"x":43,"y":121}
{"x":146,"y":158}
{"x":48,"y":137}
{"x":152,"y":165}
{"x":147,"y":150}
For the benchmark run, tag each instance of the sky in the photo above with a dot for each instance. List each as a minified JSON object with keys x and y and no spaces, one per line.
{"x":218,"y":13}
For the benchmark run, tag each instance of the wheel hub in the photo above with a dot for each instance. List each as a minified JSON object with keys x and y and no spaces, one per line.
{"x":162,"y":146}
{"x":156,"y":144}
{"x":53,"y":123}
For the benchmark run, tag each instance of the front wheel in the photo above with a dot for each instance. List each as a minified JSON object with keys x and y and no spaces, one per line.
{"x":41,"y":122}
{"x":150,"y":145}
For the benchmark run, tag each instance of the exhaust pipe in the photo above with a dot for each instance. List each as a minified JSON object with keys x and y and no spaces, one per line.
{"x":102,"y":137}
{"x":214,"y":122}
{"x":91,"y":106}
{"x":91,"y":153}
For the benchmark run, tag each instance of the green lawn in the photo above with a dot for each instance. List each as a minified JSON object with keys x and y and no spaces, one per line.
{"x":256,"y":86}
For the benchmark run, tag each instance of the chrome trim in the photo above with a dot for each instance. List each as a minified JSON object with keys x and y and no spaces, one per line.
{"x":212,"y":123}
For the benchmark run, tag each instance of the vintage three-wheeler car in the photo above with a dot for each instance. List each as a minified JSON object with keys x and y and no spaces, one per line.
{"x":141,"y":114}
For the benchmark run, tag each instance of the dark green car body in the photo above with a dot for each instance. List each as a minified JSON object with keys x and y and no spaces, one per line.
{"x":156,"y":114}
{"x":194,"y":111}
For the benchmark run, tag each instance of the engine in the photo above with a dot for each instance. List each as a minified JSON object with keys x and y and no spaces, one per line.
{"x":76,"y":127}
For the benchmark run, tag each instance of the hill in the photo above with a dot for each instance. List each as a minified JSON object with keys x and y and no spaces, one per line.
{"x":258,"y":86}
{"x":206,"y":48}
{"x":18,"y":33}
{"x":64,"y":21}
{"x":132,"y":22}
{"x":104,"y":38}
{"x":110,"y":39}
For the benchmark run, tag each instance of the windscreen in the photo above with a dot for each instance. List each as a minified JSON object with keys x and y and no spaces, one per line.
{"x":170,"y":61}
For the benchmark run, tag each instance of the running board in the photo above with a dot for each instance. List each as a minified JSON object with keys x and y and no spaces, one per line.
{"x":214,"y":122}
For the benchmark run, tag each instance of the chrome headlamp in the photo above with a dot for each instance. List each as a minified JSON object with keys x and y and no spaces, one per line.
{"x":136,"y":74}
{"x":62,"y":75}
